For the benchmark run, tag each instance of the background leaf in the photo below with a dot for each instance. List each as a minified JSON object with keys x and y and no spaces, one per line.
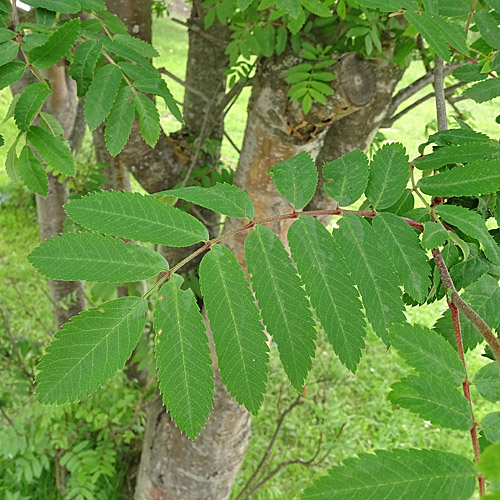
{"x":240,"y":343}
{"x":92,"y":257}
{"x":137,"y":217}
{"x":296,"y":179}
{"x":89,"y":349}
{"x":489,"y":462}
{"x":284,"y":307}
{"x":182,"y":357}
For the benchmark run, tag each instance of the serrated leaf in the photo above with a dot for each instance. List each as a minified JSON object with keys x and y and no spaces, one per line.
{"x":140,"y":46}
{"x":136,"y":217}
{"x":182,"y":355}
{"x":45,"y":17}
{"x":240,"y":343}
{"x":484,"y":297}
{"x":50,"y":124}
{"x":469,"y":73}
{"x":317,"y":7}
{"x":330,"y":288}
{"x":489,"y":462}
{"x":226,"y":199}
{"x":62,"y":6}
{"x":6,"y":34}
{"x":113,"y":22}
{"x":89,"y":349}
{"x":431,"y":31}
{"x":149,"y":119}
{"x":53,"y":150}
{"x":97,"y":5}
{"x":484,"y":91}
{"x":282,"y":301}
{"x":466,"y":272}
{"x":10,"y":73}
{"x":433,"y":398}
{"x":488,"y":27}
{"x":8,"y":51}
{"x":389,"y":174}
{"x":29,"y":104}
{"x":463,"y":153}
{"x":296,"y":179}
{"x":398,"y":474}
{"x":491,"y":426}
{"x":383,"y":5}
{"x":459,"y":136}
{"x":120,"y":121}
{"x":480,"y":177}
{"x":2,"y":140}
{"x":487,"y":382}
{"x":434,"y":235}
{"x":95,"y":258}
{"x":11,"y":160}
{"x":407,"y":255}
{"x":374,"y":277}
{"x":102,"y":94}
{"x":31,"y":172}
{"x":158,"y":86}
{"x":349,"y":176}
{"x":83,"y":65}
{"x":426,"y":351}
{"x":405,"y":203}
{"x":57,"y":46}
{"x":472,"y":224}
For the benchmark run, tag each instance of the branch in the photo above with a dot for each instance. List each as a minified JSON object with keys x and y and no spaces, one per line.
{"x":196,"y":29}
{"x":442,"y":121}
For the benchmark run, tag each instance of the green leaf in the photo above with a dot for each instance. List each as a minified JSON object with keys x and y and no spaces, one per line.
{"x":89,"y":349}
{"x":383,"y":5}
{"x":95,"y":258}
{"x":158,"y":86}
{"x":182,"y":355}
{"x":45,"y":17}
{"x":374,"y":277}
{"x":469,"y":73}
{"x":472,"y":224}
{"x":11,"y":161}
{"x":62,"y":6}
{"x":433,"y":398}
{"x":296,"y":179}
{"x":431,"y":31}
{"x":8,"y":52}
{"x":96,"y":5}
{"x":53,"y":150}
{"x":317,"y":7}
{"x":137,"y":217}
{"x":489,"y":462}
{"x":50,"y":124}
{"x":491,"y":426}
{"x":405,"y":252}
{"x":140,"y":46}
{"x":83,"y":65}
{"x":487,"y":382}
{"x":120,"y":121}
{"x":463,"y":153}
{"x":31,"y":172}
{"x":2,"y":140}
{"x":149,"y":119}
{"x":480,"y":177}
{"x":102,"y":94}
{"x":349,"y":176}
{"x":458,"y":136}
{"x":426,"y":351}
{"x":488,"y":27}
{"x":397,"y":474}
{"x":223,"y":198}
{"x":330,"y":288}
{"x":389,"y":174}
{"x":29,"y":104}
{"x":484,"y":91}
{"x":113,"y":22}
{"x":282,"y":301}
{"x":453,"y":8}
{"x":405,"y":203}
{"x":434,"y":235}
{"x":484,"y":297}
{"x":240,"y":343}
{"x":6,"y":34}
{"x":57,"y":46}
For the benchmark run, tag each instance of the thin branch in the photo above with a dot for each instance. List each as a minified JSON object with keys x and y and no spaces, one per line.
{"x":15,"y":14}
{"x":442,"y":121}
{"x":226,"y":135}
{"x":472,"y":9}
{"x":196,"y":29}
{"x":164,"y":71}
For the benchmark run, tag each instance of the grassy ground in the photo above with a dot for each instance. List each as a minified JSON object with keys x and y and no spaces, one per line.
{"x":350,"y":412}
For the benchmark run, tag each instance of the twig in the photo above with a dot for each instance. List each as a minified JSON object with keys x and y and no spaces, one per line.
{"x":472,"y":9}
{"x":15,"y":14}
{"x":440,"y":95}
{"x":226,"y":135}
{"x":196,"y":29}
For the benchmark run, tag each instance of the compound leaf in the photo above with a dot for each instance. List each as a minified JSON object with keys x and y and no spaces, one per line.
{"x":120,"y":121}
{"x":330,"y":288}
{"x":182,"y":357}
{"x":89,"y":349}
{"x":374,"y":277}
{"x":389,"y":174}
{"x":349,"y":176}
{"x":240,"y":343}
{"x":284,"y":307}
{"x":223,"y":198}
{"x":407,"y":255}
{"x":57,"y":46}
{"x":149,"y":119}
{"x":296,"y":179}
{"x":92,"y":257}
{"x":102,"y":94}
{"x":397,"y":474}
{"x":31,"y":172}
{"x":472,"y":224}
{"x":137,"y":217}
{"x":83,"y":65}
{"x":29,"y":104}
{"x":53,"y":150}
